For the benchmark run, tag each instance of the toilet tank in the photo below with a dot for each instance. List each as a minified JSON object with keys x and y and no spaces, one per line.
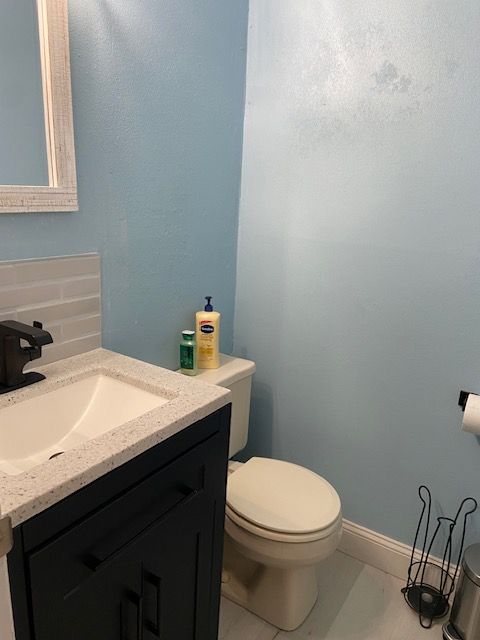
{"x":234,"y":374}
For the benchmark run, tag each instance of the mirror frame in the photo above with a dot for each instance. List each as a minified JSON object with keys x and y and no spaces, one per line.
{"x":61,"y":194}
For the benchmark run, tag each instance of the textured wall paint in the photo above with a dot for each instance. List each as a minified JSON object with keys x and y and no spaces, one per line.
{"x":23,"y":154}
{"x":358,"y":271}
{"x":158,"y":90}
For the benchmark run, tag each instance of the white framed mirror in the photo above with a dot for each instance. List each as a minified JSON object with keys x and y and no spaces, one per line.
{"x":37,"y":152}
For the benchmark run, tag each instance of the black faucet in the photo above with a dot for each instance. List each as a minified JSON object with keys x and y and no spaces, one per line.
{"x":13,"y":357}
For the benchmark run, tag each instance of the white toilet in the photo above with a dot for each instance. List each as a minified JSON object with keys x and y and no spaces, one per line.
{"x":281,"y":519}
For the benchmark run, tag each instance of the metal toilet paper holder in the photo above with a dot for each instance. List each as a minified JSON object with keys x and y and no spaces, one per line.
{"x":429,"y":584}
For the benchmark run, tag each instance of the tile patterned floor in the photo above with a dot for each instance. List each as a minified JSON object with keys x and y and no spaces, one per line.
{"x":357,"y":602}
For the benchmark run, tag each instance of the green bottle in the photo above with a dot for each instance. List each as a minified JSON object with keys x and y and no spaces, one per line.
{"x":188,"y":353}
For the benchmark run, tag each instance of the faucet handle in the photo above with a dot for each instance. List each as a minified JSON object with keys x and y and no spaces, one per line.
{"x":35,"y":334}
{"x":13,"y":357}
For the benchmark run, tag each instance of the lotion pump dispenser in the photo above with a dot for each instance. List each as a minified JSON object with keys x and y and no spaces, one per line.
{"x":208,"y":337}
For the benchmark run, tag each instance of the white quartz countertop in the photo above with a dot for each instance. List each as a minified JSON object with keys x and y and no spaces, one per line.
{"x":27,"y":494}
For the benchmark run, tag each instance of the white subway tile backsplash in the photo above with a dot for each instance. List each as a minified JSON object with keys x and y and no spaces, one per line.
{"x":16,"y":297}
{"x":8,"y":315}
{"x":63,"y":293}
{"x":81,"y":327}
{"x":81,"y":287}
{"x":7,"y":275}
{"x":55,"y":352}
{"x":60,"y":311}
{"x":56,"y":331}
{"x":57,"y":268}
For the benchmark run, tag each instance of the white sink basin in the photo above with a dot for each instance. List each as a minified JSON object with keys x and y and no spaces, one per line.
{"x":34,"y":430}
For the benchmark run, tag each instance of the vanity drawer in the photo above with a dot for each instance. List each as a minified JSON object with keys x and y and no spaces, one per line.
{"x":94,"y":543}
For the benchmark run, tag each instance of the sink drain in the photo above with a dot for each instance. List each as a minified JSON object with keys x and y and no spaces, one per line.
{"x":55,"y":455}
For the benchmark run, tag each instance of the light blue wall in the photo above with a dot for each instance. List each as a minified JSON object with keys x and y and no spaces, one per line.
{"x":158,"y":90}
{"x":358,"y":291}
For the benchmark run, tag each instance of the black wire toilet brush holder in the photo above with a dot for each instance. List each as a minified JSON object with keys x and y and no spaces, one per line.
{"x":430,"y":583}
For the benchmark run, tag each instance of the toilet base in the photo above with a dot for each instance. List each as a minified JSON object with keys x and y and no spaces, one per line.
{"x":282,"y":597}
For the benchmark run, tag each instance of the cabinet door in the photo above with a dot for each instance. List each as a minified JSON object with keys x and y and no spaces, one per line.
{"x":158,"y":588}
{"x":104,"y":606}
{"x":177,"y":598}
{"x":182,"y":560}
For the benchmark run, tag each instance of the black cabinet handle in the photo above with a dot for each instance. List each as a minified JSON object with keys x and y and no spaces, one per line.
{"x":132,"y":598}
{"x":96,"y":561}
{"x":155,"y":583}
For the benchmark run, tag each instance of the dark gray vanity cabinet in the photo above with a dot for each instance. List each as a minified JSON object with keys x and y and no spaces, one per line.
{"x":136,"y":555}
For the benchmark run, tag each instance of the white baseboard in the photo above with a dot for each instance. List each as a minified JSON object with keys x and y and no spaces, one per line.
{"x":377,"y":550}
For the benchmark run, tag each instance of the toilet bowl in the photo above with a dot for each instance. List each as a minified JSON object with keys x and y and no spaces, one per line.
{"x":281,"y":520}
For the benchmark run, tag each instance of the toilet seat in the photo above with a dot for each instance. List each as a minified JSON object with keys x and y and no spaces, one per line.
{"x":282,"y":501}
{"x":283,"y":537}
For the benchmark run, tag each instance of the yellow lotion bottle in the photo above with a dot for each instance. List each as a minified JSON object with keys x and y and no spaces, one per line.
{"x":208,"y":337}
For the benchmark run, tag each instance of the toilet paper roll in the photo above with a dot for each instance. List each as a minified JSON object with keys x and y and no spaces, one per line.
{"x":471,"y":416}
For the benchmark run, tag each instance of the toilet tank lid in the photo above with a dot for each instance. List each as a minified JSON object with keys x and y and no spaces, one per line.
{"x":231,"y":370}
